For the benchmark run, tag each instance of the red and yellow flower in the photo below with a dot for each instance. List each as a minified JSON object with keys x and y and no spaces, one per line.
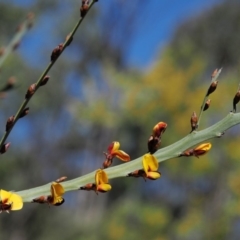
{"x":113,"y":151}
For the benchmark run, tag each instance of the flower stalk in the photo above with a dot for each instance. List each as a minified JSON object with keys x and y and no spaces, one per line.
{"x":172,"y":151}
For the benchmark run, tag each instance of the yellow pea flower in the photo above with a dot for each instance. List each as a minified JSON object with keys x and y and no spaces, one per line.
{"x":55,"y":198}
{"x":101,"y":183}
{"x":150,"y":167}
{"x":197,"y":151}
{"x":113,"y":151}
{"x":10,"y":201}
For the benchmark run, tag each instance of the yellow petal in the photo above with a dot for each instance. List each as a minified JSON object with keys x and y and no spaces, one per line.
{"x":153,"y":175}
{"x":202,"y":149}
{"x":122,"y":155}
{"x":100,"y":177}
{"x":104,"y":187}
{"x":57,"y":191}
{"x":150,"y":163}
{"x":204,"y":146}
{"x":12,"y":199}
{"x":114,"y":146}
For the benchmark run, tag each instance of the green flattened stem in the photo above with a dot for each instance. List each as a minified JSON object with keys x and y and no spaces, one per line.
{"x":123,"y":170}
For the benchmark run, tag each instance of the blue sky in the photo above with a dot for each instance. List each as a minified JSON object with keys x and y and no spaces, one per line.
{"x":155,"y":27}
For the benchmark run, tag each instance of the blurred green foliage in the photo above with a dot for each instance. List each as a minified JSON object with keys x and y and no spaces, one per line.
{"x":93,"y":98}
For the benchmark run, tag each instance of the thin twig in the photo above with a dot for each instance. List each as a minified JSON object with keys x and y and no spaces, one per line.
{"x":38,"y":83}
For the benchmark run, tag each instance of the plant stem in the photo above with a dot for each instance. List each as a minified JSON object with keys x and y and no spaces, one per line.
{"x":25,"y":102}
{"x":123,"y":170}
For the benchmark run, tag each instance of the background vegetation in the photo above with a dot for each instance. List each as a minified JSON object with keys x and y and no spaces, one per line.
{"x":95,"y":97}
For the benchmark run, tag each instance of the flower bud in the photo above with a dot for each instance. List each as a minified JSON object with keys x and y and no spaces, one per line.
{"x":9,"y":123}
{"x":236,"y":100}
{"x":56,"y":52}
{"x":194,"y":120}
{"x":31,"y":90}
{"x":207,"y":104}
{"x":4,"y":147}
{"x":44,"y":80}
{"x":84,"y":8}
{"x":24,"y":112}
{"x":212,"y":87}
{"x":153,"y":144}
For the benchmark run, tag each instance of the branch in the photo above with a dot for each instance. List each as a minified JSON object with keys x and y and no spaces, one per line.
{"x":172,"y":151}
{"x":41,"y":81}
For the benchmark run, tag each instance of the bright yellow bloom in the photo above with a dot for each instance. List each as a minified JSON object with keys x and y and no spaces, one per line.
{"x":101,"y":181}
{"x":57,"y":192}
{"x":10,"y":201}
{"x":150,"y":166}
{"x":55,"y":198}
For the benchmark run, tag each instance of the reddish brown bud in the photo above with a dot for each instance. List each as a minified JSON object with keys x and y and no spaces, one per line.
{"x":44,"y":80}
{"x":89,"y":187}
{"x":159,"y":129}
{"x":107,"y":163}
{"x":236,"y":99}
{"x":31,"y":90}
{"x":194,"y":120}
{"x":4,"y":147}
{"x":61,"y":179}
{"x":207,"y":104}
{"x":84,"y":8}
{"x":153,"y":144}
{"x":138,"y":173}
{"x":212,"y":88}
{"x":9,"y":123}
{"x":42,"y":199}
{"x":24,"y":112}
{"x":56,"y":52}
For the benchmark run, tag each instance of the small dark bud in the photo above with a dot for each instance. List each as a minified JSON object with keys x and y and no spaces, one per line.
{"x":137,"y":174}
{"x":61,"y":179}
{"x":107,"y":163}
{"x":31,"y":90}
{"x":236,"y":99}
{"x":194,"y":120}
{"x":153,"y":144}
{"x":9,"y":123}
{"x":84,"y":8}
{"x":44,"y":80}
{"x":212,"y":88}
{"x":24,"y":112}
{"x":4,"y":147}
{"x":56,"y":52}
{"x":207,"y":104}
